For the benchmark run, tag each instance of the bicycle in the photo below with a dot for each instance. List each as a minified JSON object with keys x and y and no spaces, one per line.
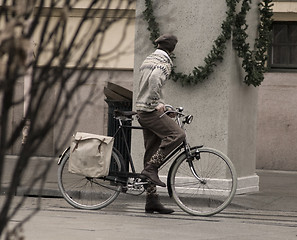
{"x":201,"y":180}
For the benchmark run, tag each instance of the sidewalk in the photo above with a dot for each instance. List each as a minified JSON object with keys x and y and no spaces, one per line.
{"x":278,"y":192}
{"x":278,"y":189}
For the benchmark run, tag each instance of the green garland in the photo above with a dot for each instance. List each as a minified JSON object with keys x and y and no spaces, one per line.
{"x":234,"y":25}
{"x":253,"y":61}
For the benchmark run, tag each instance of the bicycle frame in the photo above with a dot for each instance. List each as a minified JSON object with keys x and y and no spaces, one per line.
{"x":184,"y":146}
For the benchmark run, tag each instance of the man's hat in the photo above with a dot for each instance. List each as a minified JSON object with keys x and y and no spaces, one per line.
{"x":167,"y":42}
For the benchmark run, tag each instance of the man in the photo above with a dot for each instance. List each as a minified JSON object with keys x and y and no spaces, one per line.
{"x":161,"y":134}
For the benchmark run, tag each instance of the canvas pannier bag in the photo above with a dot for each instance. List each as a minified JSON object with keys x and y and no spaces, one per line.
{"x":90,"y":154}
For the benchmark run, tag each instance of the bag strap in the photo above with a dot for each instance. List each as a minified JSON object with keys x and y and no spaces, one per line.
{"x":99,"y":146}
{"x":76,"y":145}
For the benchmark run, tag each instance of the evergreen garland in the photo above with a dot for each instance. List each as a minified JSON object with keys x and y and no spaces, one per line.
{"x":153,"y":26}
{"x":253,"y":60}
{"x":234,"y":25}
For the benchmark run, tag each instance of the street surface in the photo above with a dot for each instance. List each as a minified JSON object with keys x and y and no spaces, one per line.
{"x":125,"y":219}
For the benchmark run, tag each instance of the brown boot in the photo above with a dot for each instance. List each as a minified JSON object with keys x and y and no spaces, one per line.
{"x":151,"y":172}
{"x":151,"y":169}
{"x":153,"y":205}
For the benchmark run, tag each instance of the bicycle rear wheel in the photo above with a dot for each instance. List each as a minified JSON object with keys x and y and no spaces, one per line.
{"x":208,"y":187}
{"x":85,"y":192}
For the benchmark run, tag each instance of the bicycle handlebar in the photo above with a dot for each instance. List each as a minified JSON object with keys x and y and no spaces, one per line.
{"x":171,"y":109}
{"x":178,"y":113}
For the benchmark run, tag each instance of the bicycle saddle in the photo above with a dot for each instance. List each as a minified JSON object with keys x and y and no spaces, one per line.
{"x":128,"y":114}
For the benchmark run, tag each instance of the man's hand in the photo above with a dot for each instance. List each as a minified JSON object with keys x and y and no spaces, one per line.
{"x":170,"y":114}
{"x":160,"y":107}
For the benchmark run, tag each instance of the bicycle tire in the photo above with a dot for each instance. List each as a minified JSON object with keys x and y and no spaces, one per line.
{"x":88,"y":193}
{"x":214,"y":193}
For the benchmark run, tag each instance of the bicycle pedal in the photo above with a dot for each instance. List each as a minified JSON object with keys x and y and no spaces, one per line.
{"x":144,"y":179}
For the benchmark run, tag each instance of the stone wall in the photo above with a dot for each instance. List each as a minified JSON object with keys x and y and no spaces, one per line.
{"x":277,"y":122}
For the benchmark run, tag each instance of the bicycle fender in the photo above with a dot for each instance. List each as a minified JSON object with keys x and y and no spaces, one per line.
{"x":169,"y":188}
{"x":62,"y":155}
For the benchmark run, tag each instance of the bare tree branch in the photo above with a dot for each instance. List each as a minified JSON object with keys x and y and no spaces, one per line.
{"x":57,"y":49}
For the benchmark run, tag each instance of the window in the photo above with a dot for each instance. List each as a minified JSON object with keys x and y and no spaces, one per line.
{"x":284,"y":45}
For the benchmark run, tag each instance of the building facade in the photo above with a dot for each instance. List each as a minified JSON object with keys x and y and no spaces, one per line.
{"x":277,"y":113}
{"x":115,"y":64}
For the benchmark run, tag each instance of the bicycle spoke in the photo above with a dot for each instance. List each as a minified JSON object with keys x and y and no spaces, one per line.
{"x":213,"y":192}
{"x":88,"y":193}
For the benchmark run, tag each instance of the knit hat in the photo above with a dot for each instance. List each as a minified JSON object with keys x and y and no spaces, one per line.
{"x":167,"y":42}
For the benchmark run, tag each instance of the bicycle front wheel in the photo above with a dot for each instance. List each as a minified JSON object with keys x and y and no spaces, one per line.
{"x":85,"y":192}
{"x":205,"y":185}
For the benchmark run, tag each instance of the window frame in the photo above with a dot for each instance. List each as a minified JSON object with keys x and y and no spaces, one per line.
{"x":280,"y":67}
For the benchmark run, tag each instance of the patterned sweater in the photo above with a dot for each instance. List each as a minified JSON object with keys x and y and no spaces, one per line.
{"x":154,"y":71}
